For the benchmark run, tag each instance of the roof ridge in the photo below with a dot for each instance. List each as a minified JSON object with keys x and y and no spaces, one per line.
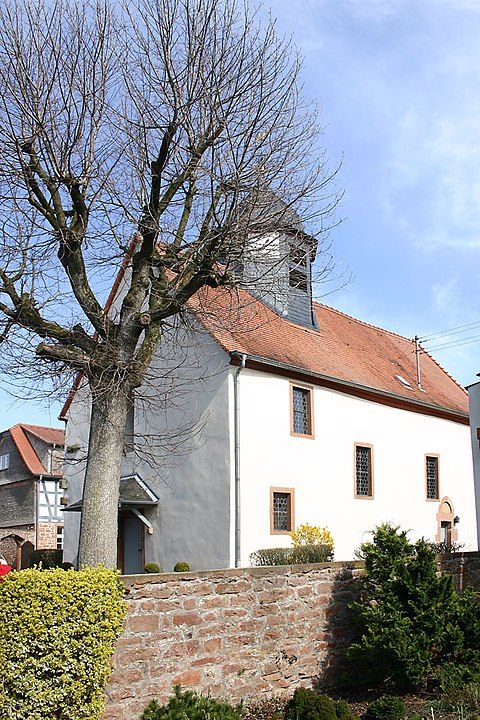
{"x":362,"y":322}
{"x":393,"y":334}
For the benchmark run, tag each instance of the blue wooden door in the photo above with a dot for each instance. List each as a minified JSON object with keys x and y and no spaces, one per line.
{"x":132,"y":546}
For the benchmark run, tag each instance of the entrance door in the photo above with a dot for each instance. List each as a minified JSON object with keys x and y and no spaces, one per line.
{"x":130,"y":545}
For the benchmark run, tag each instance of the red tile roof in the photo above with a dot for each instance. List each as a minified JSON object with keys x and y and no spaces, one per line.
{"x":354,"y":353}
{"x":26,"y":449}
{"x":52,"y":436}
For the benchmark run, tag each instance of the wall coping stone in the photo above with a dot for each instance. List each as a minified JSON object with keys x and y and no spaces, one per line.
{"x":131,"y":581}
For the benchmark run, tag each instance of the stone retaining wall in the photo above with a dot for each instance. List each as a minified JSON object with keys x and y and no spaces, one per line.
{"x":464,"y":567}
{"x":238,"y":634}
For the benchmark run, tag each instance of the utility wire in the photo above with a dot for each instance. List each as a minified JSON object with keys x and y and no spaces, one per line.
{"x":455,"y":343}
{"x":452,"y":331}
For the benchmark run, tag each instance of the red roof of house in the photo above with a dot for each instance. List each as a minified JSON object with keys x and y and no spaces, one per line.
{"x":25,"y":448}
{"x":352,"y":352}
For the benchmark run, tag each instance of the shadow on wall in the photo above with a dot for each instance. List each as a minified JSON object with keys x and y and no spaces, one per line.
{"x":339,"y":628}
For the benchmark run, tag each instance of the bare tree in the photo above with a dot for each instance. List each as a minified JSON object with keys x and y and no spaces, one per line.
{"x":144,"y":132}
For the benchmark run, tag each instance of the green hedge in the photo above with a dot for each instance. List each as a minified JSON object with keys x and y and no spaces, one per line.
{"x":58,"y":634}
{"x":292,"y":555}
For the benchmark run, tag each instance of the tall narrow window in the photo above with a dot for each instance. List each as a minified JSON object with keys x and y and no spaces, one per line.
{"x":281,"y":510}
{"x":363,"y":471}
{"x":431,"y":470}
{"x":301,"y":411}
{"x":297,"y":273}
{"x":5,"y":461}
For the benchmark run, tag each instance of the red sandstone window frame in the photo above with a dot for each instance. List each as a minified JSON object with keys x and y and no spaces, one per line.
{"x":308,"y":389}
{"x":290,"y":492}
{"x":436,"y":457}
{"x":370,"y":495}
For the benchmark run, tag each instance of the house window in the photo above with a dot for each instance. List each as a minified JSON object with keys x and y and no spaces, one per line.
{"x":301,"y":411}
{"x":363,"y":471}
{"x":5,"y":461}
{"x":59,"y":537}
{"x":431,"y":469}
{"x":281,"y":510}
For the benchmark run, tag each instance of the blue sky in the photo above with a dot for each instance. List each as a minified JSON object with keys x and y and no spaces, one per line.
{"x":398,"y":82}
{"x":399,"y":87}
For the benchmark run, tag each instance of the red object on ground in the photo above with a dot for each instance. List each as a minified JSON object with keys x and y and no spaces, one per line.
{"x":4,"y":570}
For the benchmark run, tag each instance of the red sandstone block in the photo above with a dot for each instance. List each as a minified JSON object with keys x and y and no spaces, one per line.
{"x":141,"y":654}
{"x":268,"y":596}
{"x":243,"y":639}
{"x":211,"y":602}
{"x":236,"y":586}
{"x":272,"y":635}
{"x":267,"y":609}
{"x":125,"y":677}
{"x":114,"y":712}
{"x":182,"y":649}
{"x":186,"y":618}
{"x":212,"y":644}
{"x":235,"y":613}
{"x":195,"y":587}
{"x":190,"y":677}
{"x":189,"y":604}
{"x":243,"y":599}
{"x":207,"y":661}
{"x":142,"y":623}
{"x":215,"y":629}
{"x":250,"y":626}
{"x":121,"y":693}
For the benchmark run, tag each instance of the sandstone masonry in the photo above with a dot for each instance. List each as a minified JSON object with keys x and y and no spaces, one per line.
{"x":237,"y":634}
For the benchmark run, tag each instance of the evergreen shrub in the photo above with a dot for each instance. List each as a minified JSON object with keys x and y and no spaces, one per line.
{"x":189,"y":705}
{"x":152,"y":568}
{"x":307,"y":704}
{"x":181,"y":567}
{"x":387,"y":707}
{"x":413,"y":626}
{"x":58,"y":634}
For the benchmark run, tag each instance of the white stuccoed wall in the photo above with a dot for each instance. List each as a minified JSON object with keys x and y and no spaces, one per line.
{"x":322,"y":470}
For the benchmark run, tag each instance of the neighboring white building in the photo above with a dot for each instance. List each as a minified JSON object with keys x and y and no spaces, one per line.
{"x":474,"y":404}
{"x":306,"y":415}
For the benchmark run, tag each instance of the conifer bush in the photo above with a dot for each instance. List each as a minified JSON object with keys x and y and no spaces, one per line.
{"x":189,"y":705}
{"x":58,"y":631}
{"x":307,"y":704}
{"x":387,"y":707}
{"x":413,"y":625}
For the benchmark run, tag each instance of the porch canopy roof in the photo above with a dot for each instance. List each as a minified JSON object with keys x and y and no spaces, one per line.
{"x":134,"y":492}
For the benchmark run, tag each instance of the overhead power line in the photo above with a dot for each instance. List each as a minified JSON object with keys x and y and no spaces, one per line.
{"x":451,"y":331}
{"x":455,"y":343}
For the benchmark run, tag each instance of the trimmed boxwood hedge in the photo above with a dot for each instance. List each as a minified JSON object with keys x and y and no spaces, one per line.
{"x":59,"y":630}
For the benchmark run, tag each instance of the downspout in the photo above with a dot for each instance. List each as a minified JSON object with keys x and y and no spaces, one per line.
{"x":37,"y":500}
{"x":236,"y":405}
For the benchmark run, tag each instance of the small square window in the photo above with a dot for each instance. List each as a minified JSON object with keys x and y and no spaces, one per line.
{"x":301,"y":411}
{"x":363,"y":471}
{"x":431,"y":469}
{"x":281,"y":510}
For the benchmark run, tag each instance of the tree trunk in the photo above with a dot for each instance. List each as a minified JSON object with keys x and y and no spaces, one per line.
{"x":99,"y":525}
